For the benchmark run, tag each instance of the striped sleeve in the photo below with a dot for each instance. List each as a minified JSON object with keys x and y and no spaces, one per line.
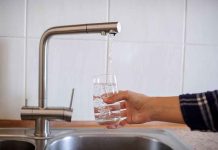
{"x":200,"y":111}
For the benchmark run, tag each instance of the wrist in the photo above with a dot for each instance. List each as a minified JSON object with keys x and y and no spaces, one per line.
{"x":165,"y":109}
{"x":155,"y":109}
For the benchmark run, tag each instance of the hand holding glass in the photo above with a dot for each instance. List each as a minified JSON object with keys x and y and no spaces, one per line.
{"x":105,"y":86}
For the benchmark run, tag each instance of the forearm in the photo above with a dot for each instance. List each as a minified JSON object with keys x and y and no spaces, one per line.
{"x":165,"y":109}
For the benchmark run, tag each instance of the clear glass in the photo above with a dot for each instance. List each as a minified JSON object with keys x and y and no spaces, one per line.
{"x":104,"y":86}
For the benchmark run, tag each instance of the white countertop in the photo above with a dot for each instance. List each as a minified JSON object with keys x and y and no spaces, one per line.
{"x":198,"y":140}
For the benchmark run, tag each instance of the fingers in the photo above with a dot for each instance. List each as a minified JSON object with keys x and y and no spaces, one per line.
{"x":121,"y":123}
{"x":123,"y":113}
{"x":121,"y":95}
{"x":111,"y":107}
{"x":122,"y":104}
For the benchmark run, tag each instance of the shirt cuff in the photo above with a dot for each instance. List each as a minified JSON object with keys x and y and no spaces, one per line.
{"x":196,"y":111}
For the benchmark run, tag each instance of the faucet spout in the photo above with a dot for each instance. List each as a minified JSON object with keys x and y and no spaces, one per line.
{"x":110,"y":27}
{"x":42,"y":114}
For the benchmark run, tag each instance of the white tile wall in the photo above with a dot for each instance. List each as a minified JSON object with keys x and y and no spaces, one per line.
{"x":71,"y":64}
{"x":32,"y":67}
{"x":147,"y":55}
{"x":12,"y":18}
{"x":202,"y":22}
{"x":149,"y":20}
{"x":45,"y":14}
{"x":154,"y":69}
{"x":201,"y":73}
{"x":12,"y":79}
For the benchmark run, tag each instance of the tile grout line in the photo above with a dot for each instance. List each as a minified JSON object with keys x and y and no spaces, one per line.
{"x":25,"y":50}
{"x":184,"y":46}
{"x":16,"y":37}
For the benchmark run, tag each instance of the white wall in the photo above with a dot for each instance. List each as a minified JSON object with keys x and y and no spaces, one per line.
{"x":166,"y":47}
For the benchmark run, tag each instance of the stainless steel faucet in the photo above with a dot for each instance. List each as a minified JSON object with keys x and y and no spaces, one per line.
{"x":42,"y":114}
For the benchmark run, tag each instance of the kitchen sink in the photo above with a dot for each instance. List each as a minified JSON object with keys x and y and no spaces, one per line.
{"x":92,"y":139}
{"x":122,"y":139}
{"x":112,"y":142}
{"x":16,"y":145}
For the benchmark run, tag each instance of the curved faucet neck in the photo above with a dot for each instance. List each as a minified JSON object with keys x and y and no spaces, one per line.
{"x":110,"y":27}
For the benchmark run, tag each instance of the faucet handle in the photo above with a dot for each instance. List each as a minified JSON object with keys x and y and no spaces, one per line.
{"x":71,"y":100}
{"x":26,"y":102}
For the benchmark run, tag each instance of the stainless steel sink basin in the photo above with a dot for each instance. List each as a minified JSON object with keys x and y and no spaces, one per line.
{"x":16,"y":145}
{"x":118,"y":139}
{"x":112,"y":142}
{"x":91,"y":139}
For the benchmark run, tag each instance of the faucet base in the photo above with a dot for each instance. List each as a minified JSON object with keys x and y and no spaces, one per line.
{"x":42,"y":127}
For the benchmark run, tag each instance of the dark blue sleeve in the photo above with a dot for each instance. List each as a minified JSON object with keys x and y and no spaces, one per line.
{"x":200,"y":110}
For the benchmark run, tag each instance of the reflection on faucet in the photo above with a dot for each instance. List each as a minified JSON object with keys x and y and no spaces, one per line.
{"x":42,"y":114}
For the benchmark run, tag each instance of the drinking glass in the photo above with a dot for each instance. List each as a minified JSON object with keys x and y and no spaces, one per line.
{"x":105,"y":86}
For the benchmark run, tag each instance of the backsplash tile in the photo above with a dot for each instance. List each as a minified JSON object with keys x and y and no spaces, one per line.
{"x":71,"y":64}
{"x":202,"y":22}
{"x":149,"y":20}
{"x":200,"y":68}
{"x":147,"y":56}
{"x":12,"y":81}
{"x":12,"y":18}
{"x":45,"y":14}
{"x":148,"y":68}
{"x":32,"y":67}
